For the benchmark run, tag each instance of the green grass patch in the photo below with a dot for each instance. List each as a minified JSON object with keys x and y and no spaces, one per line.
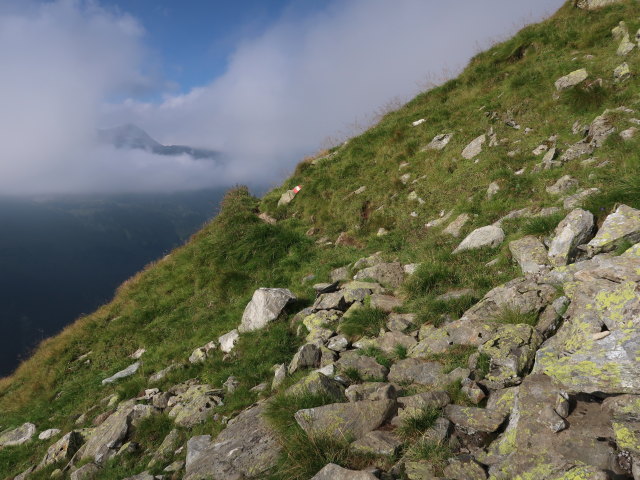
{"x":415,"y":425}
{"x":510,"y":316}
{"x":365,"y":321}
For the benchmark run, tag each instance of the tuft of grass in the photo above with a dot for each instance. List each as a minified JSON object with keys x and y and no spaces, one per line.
{"x":586,"y":100}
{"x":364,"y":321}
{"x":510,"y":316}
{"x":417,"y":424}
{"x":456,"y":357}
{"x":434,"y":453}
{"x":152,"y":430}
{"x":541,"y":225}
{"x":400,"y":352}
{"x":281,"y":408}
{"x":454,"y":389}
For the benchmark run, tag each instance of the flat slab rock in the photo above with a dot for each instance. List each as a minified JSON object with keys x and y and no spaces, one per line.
{"x":473,"y":419}
{"x":264,"y":307}
{"x":335,"y":472}
{"x":354,"y":419}
{"x":245,"y":449}
{"x":17,"y":436}
{"x":127,"y":372}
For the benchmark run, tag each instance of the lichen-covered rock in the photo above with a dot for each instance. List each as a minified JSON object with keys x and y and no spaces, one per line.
{"x":464,"y":468}
{"x":386,"y":303}
{"x":604,"y":297}
{"x":455,"y":228}
{"x":195,"y":405}
{"x":127,"y":372}
{"x":413,"y":370}
{"x":307,"y":356}
{"x":350,"y":420}
{"x":575,"y":230}
{"x":377,"y":442}
{"x":318,"y":384}
{"x":109,"y":435}
{"x":413,"y":405}
{"x":474,"y":148}
{"x":49,"y":433}
{"x":621,"y":226}
{"x":335,"y":472}
{"x":572,"y":79}
{"x":62,"y":450}
{"x":370,"y":391}
{"x":473,"y":419}
{"x":367,"y":367}
{"x":247,"y":448}
{"x":622,"y":72}
{"x":265,"y":306}
{"x":166,"y":449}
{"x":432,"y":341}
{"x":529,"y":252}
{"x":401,"y":322}
{"x":512,"y":350}
{"x":490,"y":236}
{"x":390,"y":341}
{"x":562,"y":185}
{"x":391,"y":274}
{"x":17,"y":436}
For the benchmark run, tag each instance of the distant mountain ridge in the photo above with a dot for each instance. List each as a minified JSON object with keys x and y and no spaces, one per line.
{"x":132,"y":137}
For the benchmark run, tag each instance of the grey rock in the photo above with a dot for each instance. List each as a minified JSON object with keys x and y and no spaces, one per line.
{"x":474,"y":419}
{"x":318,"y":384}
{"x":339,"y":343}
{"x":339,"y":274}
{"x":265,"y":306}
{"x":231,"y":384}
{"x":377,"y":442}
{"x":17,"y":436}
{"x":489,"y":236}
{"x":594,"y":4}
{"x":127,"y":372}
{"x":432,"y":341}
{"x":601,"y":128}
{"x":86,"y":472}
{"x":62,"y":450}
{"x":330,"y":301}
{"x":474,"y":148}
{"x":464,"y":469}
{"x":286,"y":198}
{"x":386,"y":303}
{"x":159,"y":376}
{"x":390,"y":341}
{"x":335,"y":472}
{"x":562,"y":185}
{"x":622,"y":72}
{"x":228,"y":341}
{"x":370,"y":391}
{"x":629,"y":133}
{"x":413,"y":370}
{"x":391,"y":274}
{"x":492,"y":190}
{"x":366,"y":366}
{"x":307,"y":356}
{"x":621,"y":226}
{"x":195,"y":405}
{"x":401,"y":322}
{"x":141,"y":476}
{"x":529,"y":252}
{"x":439,"y":142}
{"x":166,"y":449}
{"x":354,"y":419}
{"x":47,"y":434}
{"x":575,"y":230}
{"x":247,"y":448}
{"x":577,"y":150}
{"x":577,"y":199}
{"x":413,"y":405}
{"x":572,"y":79}
{"x":455,"y":228}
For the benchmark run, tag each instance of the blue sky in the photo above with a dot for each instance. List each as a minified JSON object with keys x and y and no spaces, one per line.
{"x":190,"y":40}
{"x":264,"y":82}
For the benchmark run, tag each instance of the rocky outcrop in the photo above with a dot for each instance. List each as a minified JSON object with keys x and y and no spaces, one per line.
{"x":247,"y":448}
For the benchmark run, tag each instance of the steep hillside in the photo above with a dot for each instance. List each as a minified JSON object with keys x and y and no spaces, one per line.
{"x":464,"y":275}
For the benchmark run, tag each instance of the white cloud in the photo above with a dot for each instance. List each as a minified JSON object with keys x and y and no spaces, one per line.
{"x":284,"y":92}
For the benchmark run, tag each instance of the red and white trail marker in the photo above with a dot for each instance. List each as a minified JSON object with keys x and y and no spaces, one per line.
{"x":296,"y":189}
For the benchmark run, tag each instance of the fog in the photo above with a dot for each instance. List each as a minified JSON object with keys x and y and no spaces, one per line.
{"x":71,"y":67}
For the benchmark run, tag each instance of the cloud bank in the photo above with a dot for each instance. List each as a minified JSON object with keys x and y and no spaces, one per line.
{"x":67,"y":65}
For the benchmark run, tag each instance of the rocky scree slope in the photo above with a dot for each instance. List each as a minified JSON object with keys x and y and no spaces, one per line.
{"x":452,"y":294}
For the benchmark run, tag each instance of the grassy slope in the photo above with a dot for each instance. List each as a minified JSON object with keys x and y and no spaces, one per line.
{"x":199,"y":292}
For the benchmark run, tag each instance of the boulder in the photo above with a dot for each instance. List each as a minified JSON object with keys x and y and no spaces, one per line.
{"x":109,"y":435}
{"x":489,"y":236}
{"x":629,"y":133}
{"x":401,"y":322}
{"x":464,"y":468}
{"x":572,"y":79}
{"x":413,"y":370}
{"x":377,"y":442}
{"x":575,"y":230}
{"x":286,"y":198}
{"x":413,"y":405}
{"x":432,"y":341}
{"x":228,"y":341}
{"x":127,"y":372}
{"x":370,"y":391}
{"x":474,"y":148}
{"x":620,"y":227}
{"x":391,"y":274}
{"x":335,"y":472}
{"x":350,"y":420}
{"x":330,"y":301}
{"x":246,"y":448}
{"x":562,"y":185}
{"x":265,"y":306}
{"x":455,"y":228}
{"x":366,"y":366}
{"x":386,"y":303}
{"x":339,"y":274}
{"x":339,"y":343}
{"x":17,"y":436}
{"x":62,"y":450}
{"x":318,"y":384}
{"x":141,"y":476}
{"x":626,"y":46}
{"x":529,"y":252}
{"x":474,"y":419}
{"x":390,"y":341}
{"x":601,"y":128}
{"x":512,"y":350}
{"x":307,"y":356}
{"x":47,"y":434}
{"x":195,"y":405}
